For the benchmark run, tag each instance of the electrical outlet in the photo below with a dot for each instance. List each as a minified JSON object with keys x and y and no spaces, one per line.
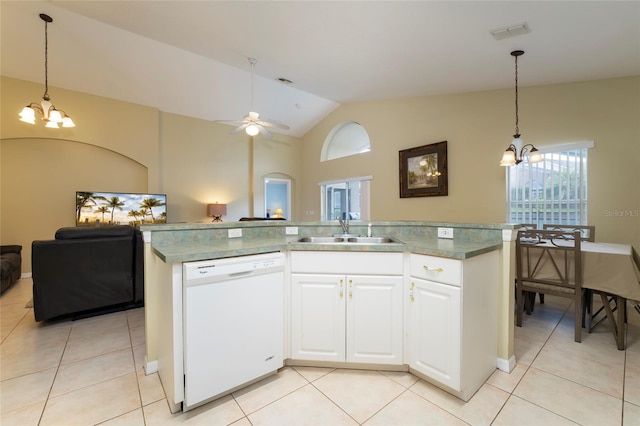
{"x":235,"y":233}
{"x":291,"y":230}
{"x":445,"y":232}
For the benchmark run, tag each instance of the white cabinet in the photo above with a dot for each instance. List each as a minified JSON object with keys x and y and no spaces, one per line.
{"x":317,"y":317}
{"x":352,"y":317}
{"x":453,"y":319}
{"x":434,"y":341}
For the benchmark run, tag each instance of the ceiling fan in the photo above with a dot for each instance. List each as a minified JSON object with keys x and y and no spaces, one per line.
{"x":252,"y":124}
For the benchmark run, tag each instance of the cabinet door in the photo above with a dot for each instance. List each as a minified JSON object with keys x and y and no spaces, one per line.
{"x":317,"y":317}
{"x":374,"y":319}
{"x":434,"y":333}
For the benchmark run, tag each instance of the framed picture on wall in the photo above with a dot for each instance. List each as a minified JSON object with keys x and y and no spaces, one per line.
{"x":423,"y":171}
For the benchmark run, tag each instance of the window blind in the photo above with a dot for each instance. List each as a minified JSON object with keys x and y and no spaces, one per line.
{"x":553,"y":191}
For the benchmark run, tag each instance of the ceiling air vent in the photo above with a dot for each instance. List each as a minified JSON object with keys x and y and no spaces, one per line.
{"x":284,"y":80}
{"x":511,"y":31}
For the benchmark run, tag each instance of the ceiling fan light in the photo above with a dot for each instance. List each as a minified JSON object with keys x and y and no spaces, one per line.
{"x":252,"y":130}
{"x":28,"y":115}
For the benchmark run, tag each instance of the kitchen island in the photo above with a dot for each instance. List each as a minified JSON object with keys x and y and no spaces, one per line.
{"x":474,"y":248}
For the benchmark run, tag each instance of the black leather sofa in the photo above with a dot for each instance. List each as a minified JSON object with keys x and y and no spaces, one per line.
{"x":10,"y":266}
{"x":87,"y":271}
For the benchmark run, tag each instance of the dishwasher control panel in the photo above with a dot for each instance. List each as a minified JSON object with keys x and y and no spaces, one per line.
{"x":242,"y":265}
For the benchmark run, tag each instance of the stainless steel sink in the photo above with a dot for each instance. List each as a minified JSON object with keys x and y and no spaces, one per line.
{"x":349,"y":240}
{"x":373,"y":240}
{"x":321,"y":240}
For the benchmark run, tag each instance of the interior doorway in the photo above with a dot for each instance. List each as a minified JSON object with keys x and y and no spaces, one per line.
{"x":277,"y":198}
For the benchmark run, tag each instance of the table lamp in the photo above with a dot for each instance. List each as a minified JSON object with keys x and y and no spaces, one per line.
{"x":216,"y":211}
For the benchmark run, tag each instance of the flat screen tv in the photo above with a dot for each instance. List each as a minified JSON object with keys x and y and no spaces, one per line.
{"x":119,"y":208}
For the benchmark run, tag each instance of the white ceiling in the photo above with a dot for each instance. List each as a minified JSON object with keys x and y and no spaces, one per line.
{"x":190,"y":57}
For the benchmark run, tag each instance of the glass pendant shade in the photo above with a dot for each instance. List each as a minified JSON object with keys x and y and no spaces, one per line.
{"x":535,"y":156}
{"x":68,"y":122}
{"x":55,"y":116}
{"x":508,"y":158}
{"x":28,"y":115}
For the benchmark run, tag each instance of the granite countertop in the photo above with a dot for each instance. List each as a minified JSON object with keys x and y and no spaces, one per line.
{"x":195,"y":251}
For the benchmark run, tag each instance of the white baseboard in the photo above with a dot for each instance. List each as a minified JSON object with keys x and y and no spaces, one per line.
{"x":506,"y":365}
{"x":150,"y":367}
{"x":25,"y":275}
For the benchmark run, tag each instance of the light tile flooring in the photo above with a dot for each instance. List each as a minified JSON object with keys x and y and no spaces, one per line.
{"x":90,"y":372}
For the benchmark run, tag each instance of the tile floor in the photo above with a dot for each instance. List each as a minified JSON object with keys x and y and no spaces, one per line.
{"x":89,"y":372}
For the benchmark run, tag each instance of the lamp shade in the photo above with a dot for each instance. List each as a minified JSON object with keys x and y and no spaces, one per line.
{"x":216,"y":209}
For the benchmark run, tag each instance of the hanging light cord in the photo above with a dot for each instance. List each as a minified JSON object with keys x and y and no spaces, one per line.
{"x":46,"y":63}
{"x":517,"y":129}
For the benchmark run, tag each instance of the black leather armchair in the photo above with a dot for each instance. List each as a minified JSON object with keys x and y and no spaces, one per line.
{"x":87,"y":271}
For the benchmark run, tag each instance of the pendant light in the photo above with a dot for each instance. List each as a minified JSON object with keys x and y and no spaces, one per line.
{"x":510,"y":156}
{"x":54,"y":118}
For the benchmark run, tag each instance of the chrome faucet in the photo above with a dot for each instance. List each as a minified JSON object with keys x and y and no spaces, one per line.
{"x":344,"y":224}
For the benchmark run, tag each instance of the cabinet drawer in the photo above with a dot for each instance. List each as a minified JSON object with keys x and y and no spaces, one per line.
{"x":439,"y":269}
{"x":334,"y":262}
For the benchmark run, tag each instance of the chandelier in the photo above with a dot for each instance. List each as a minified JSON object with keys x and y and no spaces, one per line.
{"x":50,"y":115}
{"x":510,"y":156}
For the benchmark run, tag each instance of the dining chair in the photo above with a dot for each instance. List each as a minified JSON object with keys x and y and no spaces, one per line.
{"x":611,"y":304}
{"x":587,"y":232}
{"x":550,"y":262}
{"x":530,"y":297}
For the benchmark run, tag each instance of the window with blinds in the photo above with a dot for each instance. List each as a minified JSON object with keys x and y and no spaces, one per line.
{"x":553,"y":191}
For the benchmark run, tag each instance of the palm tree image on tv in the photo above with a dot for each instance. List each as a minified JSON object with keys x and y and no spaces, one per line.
{"x":115,"y":208}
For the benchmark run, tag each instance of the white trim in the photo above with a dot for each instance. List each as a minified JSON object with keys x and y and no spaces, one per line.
{"x":506,"y":365}
{"x":150,"y":367}
{"x":331,"y":182}
{"x":566,"y":146}
{"x":25,"y":275}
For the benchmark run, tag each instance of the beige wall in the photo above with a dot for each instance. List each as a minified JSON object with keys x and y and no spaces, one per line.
{"x":203,"y":164}
{"x":123,"y":147}
{"x":478,"y":127}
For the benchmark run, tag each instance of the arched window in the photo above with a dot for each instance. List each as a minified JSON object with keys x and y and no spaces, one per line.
{"x":347,"y":138}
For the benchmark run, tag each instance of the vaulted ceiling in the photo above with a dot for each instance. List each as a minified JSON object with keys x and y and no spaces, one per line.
{"x":190,"y":57}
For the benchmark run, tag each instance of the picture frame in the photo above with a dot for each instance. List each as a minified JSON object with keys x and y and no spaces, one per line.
{"x":423,"y":171}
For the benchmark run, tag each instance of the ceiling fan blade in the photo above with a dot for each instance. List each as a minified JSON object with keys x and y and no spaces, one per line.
{"x":235,"y":122}
{"x":274,"y":125}
{"x":239,"y":128}
{"x":264,"y":132}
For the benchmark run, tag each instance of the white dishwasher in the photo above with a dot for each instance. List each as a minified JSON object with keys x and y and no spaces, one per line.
{"x":233,"y":323}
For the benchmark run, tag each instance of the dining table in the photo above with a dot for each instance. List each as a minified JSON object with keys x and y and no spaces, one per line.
{"x":611,"y":270}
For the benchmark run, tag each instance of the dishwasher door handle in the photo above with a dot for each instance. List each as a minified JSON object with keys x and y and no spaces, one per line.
{"x":240,"y":274}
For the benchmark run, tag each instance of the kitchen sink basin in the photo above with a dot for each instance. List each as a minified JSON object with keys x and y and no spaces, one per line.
{"x":321,"y":240}
{"x":349,"y":240}
{"x":373,"y":240}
